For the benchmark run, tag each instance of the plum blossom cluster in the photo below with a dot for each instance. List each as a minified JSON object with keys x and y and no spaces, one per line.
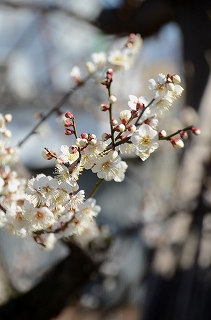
{"x":50,"y":208}
{"x":117,"y":59}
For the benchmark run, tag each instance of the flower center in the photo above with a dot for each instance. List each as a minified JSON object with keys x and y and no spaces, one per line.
{"x":145,"y":140}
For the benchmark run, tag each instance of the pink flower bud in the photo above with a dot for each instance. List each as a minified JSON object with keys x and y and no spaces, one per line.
{"x":109,"y":73}
{"x":69,"y":115}
{"x":74,"y":149}
{"x":176,"y":78}
{"x":92,"y":136}
{"x":195,"y":131}
{"x":68,"y":123}
{"x":183,"y":134}
{"x":176,"y":142}
{"x":84,"y":135}
{"x":69,"y":132}
{"x":104,"y":107}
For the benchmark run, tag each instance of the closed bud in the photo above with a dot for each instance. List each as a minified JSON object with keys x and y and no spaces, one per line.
{"x":195,"y":131}
{"x":105,"y":136}
{"x":177,"y":142}
{"x":131,"y":128}
{"x":120,"y":128}
{"x":114,"y":122}
{"x":104,"y":107}
{"x":112,"y":98}
{"x":69,"y":132}
{"x":7,"y":133}
{"x":162,"y":134}
{"x":84,"y":135}
{"x":90,"y":67}
{"x":176,"y":78}
{"x":68,"y":123}
{"x":69,"y":115}
{"x":8,"y":117}
{"x":183,"y":134}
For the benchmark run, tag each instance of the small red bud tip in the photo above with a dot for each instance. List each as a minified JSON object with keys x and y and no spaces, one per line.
{"x":104,"y":107}
{"x":183,"y":134}
{"x":195,"y":131}
{"x":69,"y":115}
{"x":176,"y":142}
{"x":109,"y":73}
{"x":84,"y":135}
{"x":69,"y":132}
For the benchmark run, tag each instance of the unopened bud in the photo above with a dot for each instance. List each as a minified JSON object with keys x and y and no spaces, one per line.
{"x":69,"y":132}
{"x":109,"y":73}
{"x":120,"y":128}
{"x":67,"y":123}
{"x":131,"y":128}
{"x":176,"y":142}
{"x":7,"y":133}
{"x":176,"y":78}
{"x":114,"y":122}
{"x":92,"y":136}
{"x":195,"y":131}
{"x":74,"y":149}
{"x":162,"y":134}
{"x":84,"y":135}
{"x":112,"y":98}
{"x":69,"y":115}
{"x":90,"y":67}
{"x":183,"y":134}
{"x":105,"y":136}
{"x":8,"y":117}
{"x":104,"y":107}
{"x":125,"y":116}
{"x":93,"y":142}
{"x":47,"y":155}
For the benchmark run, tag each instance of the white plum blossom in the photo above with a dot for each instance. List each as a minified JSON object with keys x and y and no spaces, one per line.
{"x":119,"y":59}
{"x":145,"y":141}
{"x":91,"y":154}
{"x":110,"y":167}
{"x":87,"y":210}
{"x":15,"y":221}
{"x":99,"y":58}
{"x":63,"y":175}
{"x":39,"y":218}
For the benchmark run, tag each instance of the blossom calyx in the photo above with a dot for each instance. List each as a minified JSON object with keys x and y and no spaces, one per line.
{"x":69,"y":115}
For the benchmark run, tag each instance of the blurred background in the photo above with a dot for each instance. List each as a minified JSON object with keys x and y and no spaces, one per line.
{"x":159,"y":218}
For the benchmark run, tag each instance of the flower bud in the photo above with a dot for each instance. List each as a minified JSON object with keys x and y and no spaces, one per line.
{"x":112,"y":98}
{"x":125,"y":116}
{"x":69,"y":132}
{"x":67,"y":123}
{"x":183,"y":134}
{"x":114,"y":122}
{"x":90,"y":67}
{"x":69,"y":115}
{"x":7,"y":133}
{"x":84,"y":135}
{"x":162,"y":134}
{"x":104,"y":107}
{"x":105,"y":136}
{"x":92,"y":136}
{"x":176,"y":142}
{"x":8,"y":117}
{"x":176,"y":78}
{"x":109,"y":74}
{"x":93,"y":142}
{"x":120,"y":127}
{"x":195,"y":131}
{"x":131,"y":128}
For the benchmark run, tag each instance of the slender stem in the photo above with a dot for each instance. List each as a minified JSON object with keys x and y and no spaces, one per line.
{"x":54,"y":109}
{"x":110,"y":115}
{"x":96,"y":187}
{"x":149,"y":104}
{"x":175,"y":133}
